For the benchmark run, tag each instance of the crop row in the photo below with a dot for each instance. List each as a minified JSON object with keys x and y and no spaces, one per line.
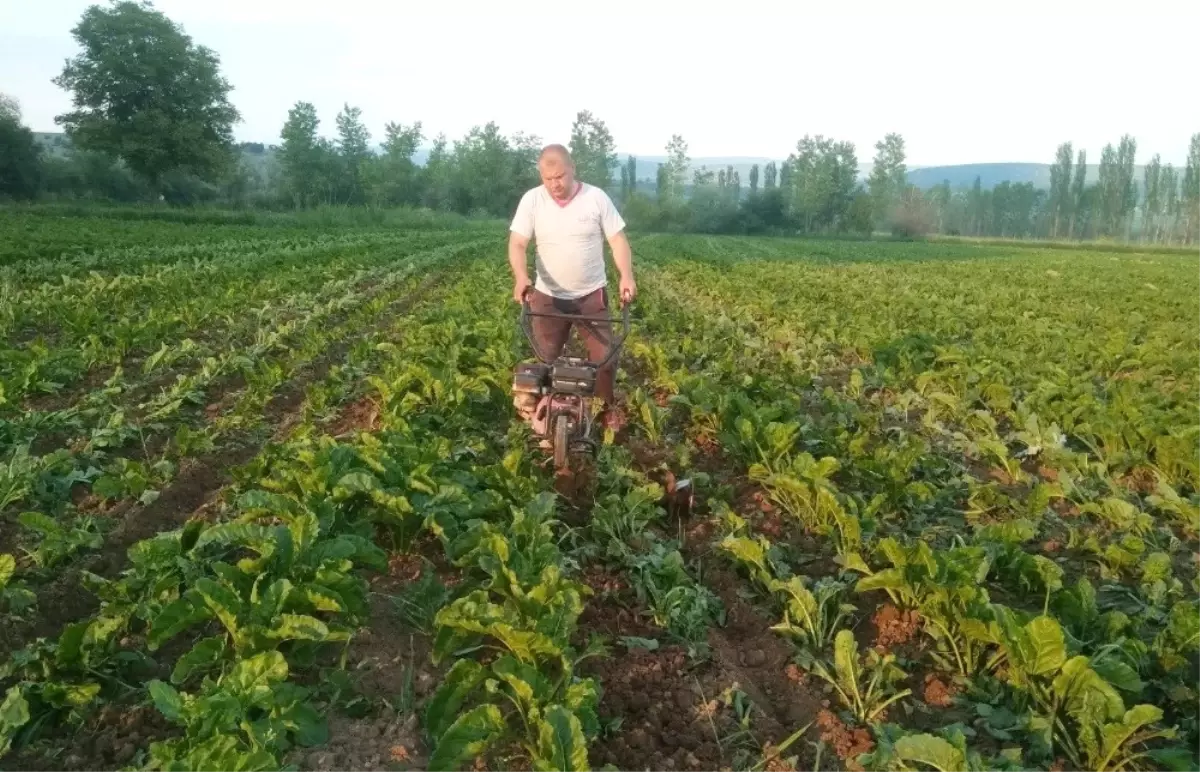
{"x":886,"y":508}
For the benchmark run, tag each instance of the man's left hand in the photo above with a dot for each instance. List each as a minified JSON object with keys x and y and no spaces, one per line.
{"x":628,"y":290}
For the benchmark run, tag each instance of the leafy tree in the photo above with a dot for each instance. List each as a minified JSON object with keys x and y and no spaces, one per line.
{"x":355,"y":153}
{"x":304,"y":157}
{"x":593,"y":150}
{"x":822,"y":177}
{"x":976,"y":207}
{"x":436,"y":176}
{"x":20,"y":155}
{"x":143,"y":92}
{"x":1191,"y":190}
{"x":888,"y":178}
{"x":1109,"y":190}
{"x":676,"y":168}
{"x":1060,"y":185}
{"x":1151,"y":199}
{"x":1077,"y":189}
{"x":393,"y":178}
{"x":1168,"y":185}
{"x":490,"y":172}
{"x":1126,"y":187}
{"x":628,"y":177}
{"x":941,"y":198}
{"x":754,"y":179}
{"x":770,"y":175}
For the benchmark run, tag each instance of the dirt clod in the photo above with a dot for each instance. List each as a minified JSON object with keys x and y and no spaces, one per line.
{"x":894,"y":626}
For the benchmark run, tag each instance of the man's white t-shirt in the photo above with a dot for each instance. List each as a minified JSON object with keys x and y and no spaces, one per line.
{"x":569,"y":238}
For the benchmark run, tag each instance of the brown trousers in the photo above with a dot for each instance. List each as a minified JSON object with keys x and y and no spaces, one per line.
{"x":551,"y":334}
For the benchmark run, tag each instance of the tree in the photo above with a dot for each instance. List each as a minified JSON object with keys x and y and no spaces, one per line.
{"x":354,"y":151}
{"x":1109,"y":190}
{"x":20,"y":155}
{"x":628,"y":177}
{"x":436,"y":176}
{"x":1191,"y":190}
{"x":770,"y":175}
{"x":754,"y":179}
{"x":304,"y":158}
{"x":941,"y":197}
{"x":593,"y":150}
{"x":975,"y":206}
{"x":889,"y":175}
{"x":143,"y":92}
{"x":821,"y":181}
{"x":1077,"y":188}
{"x":392,"y":179}
{"x":676,"y":168}
{"x":1060,"y":185}
{"x":1168,"y":185}
{"x":1151,"y":200}
{"x":1126,"y":187}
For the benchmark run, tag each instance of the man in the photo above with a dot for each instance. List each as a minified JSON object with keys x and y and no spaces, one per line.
{"x":570,"y":220}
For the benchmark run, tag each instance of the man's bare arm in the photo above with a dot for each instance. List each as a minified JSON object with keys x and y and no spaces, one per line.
{"x":518,"y":260}
{"x":623,"y":259}
{"x":622,"y":254}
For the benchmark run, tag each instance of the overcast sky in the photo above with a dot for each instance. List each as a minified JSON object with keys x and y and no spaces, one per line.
{"x":1006,"y":81}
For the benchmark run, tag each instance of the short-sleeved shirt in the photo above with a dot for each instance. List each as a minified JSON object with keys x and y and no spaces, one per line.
{"x":569,"y":238}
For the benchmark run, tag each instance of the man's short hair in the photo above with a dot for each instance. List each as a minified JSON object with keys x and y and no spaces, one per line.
{"x":558,"y":150}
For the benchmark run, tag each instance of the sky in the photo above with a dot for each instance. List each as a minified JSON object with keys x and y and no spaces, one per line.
{"x":961,"y":82}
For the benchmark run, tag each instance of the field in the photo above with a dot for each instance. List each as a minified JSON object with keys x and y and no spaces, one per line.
{"x":265,"y":503}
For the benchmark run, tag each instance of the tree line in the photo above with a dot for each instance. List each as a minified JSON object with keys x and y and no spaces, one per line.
{"x":151,"y":120}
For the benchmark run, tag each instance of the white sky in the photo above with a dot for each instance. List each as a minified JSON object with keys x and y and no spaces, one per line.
{"x":963,"y":82}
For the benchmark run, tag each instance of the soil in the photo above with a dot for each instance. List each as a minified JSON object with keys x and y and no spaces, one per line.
{"x":390,"y":741}
{"x":109,"y":739}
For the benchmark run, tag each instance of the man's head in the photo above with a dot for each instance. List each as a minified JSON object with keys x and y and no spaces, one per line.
{"x":558,"y":171}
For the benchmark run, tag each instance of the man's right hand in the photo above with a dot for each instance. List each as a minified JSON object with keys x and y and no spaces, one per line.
{"x":520,"y":287}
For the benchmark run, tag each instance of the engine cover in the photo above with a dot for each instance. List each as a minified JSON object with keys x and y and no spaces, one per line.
{"x":531,"y":378}
{"x":572,"y":375}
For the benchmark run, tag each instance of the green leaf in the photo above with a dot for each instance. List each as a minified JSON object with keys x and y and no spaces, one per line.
{"x":222,"y":601}
{"x":259,"y":538}
{"x":299,"y":627}
{"x":256,"y":673}
{"x":40,"y":523}
{"x":1044,"y":649}
{"x":176,"y":617}
{"x":845,"y":661}
{"x":1175,"y":759}
{"x":561,"y":745}
{"x":8,"y":566}
{"x":932,"y":751}
{"x":206,"y":653}
{"x":167,"y":700}
{"x":14,"y":714}
{"x":358,"y":482}
{"x":1119,"y":674}
{"x":67,"y":695}
{"x":467,"y":737}
{"x":460,"y":681}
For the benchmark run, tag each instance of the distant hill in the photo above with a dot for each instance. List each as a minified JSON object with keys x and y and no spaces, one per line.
{"x":960,"y":175}
{"x":991,"y":175}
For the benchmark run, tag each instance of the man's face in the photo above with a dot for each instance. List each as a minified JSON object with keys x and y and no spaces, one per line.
{"x":558,"y":177}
